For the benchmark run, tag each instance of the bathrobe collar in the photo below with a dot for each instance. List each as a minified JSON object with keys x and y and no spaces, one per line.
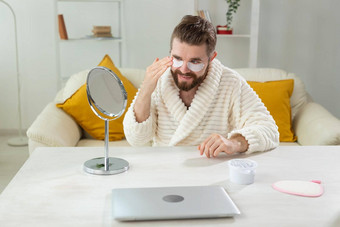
{"x":189,"y":119}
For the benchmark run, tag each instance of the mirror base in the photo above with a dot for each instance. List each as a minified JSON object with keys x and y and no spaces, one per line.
{"x":97,"y":166}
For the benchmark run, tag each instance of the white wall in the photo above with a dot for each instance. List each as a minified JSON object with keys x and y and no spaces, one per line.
{"x":303,"y":36}
{"x":36,"y":37}
{"x":298,"y":36}
{"x":149,"y":26}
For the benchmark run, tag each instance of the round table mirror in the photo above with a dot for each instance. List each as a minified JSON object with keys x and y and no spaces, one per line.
{"x":107,"y":98}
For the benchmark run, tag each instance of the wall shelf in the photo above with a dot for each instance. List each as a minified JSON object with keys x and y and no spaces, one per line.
{"x":250,"y":37}
{"x":82,"y":48}
{"x":89,"y":0}
{"x":93,"y":39}
{"x":233,"y":36}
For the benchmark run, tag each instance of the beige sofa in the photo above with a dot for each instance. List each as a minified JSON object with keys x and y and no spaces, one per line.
{"x":312,"y":123}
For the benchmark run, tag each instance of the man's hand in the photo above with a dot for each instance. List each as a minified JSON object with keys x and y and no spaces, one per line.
{"x":216,"y":144}
{"x":153,"y":73}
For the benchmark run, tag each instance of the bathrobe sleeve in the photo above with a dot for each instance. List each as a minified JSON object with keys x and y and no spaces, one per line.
{"x":251,"y":119}
{"x":140,"y":134}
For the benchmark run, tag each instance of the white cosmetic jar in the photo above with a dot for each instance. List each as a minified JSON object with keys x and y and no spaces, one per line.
{"x":242,"y":171}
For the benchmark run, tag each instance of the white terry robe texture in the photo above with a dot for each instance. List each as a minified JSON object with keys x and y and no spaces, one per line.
{"x":224,"y":103}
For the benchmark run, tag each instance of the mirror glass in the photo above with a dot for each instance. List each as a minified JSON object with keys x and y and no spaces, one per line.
{"x":106,"y":93}
{"x":107,"y":98}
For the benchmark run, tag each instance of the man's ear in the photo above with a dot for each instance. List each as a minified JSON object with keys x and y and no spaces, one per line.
{"x":213,"y":55}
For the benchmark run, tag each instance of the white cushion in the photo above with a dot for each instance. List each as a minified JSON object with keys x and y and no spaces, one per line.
{"x":314,"y":125}
{"x":65,"y":131}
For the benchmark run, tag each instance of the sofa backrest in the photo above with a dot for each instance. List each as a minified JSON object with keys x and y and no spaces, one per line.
{"x":298,"y":99}
{"x":136,"y":77}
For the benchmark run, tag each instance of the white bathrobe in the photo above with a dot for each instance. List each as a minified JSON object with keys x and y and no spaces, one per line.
{"x":224,"y":103}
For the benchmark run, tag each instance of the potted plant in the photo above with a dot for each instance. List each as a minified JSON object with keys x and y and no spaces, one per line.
{"x":232,"y":8}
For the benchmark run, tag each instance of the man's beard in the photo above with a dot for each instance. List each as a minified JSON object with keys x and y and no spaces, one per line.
{"x":184,"y":86}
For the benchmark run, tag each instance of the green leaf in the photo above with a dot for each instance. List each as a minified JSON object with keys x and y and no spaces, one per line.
{"x":232,"y":8}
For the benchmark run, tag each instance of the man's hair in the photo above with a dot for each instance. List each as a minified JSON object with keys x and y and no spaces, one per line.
{"x":195,"y":30}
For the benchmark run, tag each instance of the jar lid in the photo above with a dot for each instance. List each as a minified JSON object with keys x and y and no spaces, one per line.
{"x":243,"y":164}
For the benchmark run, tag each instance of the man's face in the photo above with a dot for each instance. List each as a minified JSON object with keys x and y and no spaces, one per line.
{"x":190,"y":65}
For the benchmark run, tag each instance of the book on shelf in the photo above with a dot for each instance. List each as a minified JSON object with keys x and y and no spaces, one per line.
{"x":62,"y":27}
{"x":102,"y":31}
{"x":204,"y":14}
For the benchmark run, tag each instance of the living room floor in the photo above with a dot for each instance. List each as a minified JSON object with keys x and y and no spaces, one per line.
{"x":11,"y":160}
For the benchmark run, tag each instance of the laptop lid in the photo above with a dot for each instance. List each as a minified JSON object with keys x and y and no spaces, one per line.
{"x":131,"y":204}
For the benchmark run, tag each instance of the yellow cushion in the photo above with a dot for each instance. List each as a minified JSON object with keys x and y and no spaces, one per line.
{"x":78,"y":107}
{"x":276,"y":97}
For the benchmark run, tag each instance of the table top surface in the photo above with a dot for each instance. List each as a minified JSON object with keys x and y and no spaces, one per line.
{"x":51,"y":189}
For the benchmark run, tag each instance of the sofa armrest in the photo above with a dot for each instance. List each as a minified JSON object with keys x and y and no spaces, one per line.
{"x":53,"y":128}
{"x":314,"y":125}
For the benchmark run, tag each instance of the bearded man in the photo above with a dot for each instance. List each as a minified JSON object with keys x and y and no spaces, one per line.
{"x":190,"y":98}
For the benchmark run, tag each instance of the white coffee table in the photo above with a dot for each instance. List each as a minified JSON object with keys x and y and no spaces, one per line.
{"x":51,"y":189}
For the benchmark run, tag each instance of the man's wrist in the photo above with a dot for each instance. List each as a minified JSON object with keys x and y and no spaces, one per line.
{"x":241,"y":144}
{"x":141,"y":107}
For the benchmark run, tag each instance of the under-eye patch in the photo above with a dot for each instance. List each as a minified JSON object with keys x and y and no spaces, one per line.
{"x":192,"y":66}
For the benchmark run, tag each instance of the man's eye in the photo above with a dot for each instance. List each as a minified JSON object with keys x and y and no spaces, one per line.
{"x":195,"y":62}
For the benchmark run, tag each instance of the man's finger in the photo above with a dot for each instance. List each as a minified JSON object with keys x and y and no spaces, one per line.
{"x":159,"y":63}
{"x":213,"y":148}
{"x":218,"y":150}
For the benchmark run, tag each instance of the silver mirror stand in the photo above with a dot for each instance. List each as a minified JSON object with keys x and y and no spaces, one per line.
{"x":106,"y":165}
{"x":107,"y":89}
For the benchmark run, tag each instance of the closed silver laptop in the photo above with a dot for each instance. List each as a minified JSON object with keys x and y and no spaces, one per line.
{"x":130,"y":204}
